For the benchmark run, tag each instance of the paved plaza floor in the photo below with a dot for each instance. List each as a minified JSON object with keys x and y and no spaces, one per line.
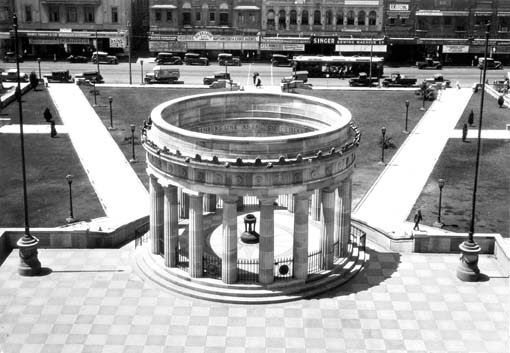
{"x":92,"y":301}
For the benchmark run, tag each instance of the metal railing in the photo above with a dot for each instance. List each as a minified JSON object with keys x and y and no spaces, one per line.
{"x":283,"y":268}
{"x":211,"y":266}
{"x":315,"y":261}
{"x":248,"y":270}
{"x":182,"y":261}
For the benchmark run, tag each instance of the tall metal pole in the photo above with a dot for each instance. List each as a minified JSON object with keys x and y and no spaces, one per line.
{"x":39,"y":63}
{"x":370,"y":69}
{"x":97,"y":54}
{"x":29,"y":263}
{"x":129,"y":51}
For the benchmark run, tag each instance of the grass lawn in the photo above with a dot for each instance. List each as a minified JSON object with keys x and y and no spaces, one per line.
{"x":494,"y":118}
{"x":456,"y":165}
{"x":48,"y":161}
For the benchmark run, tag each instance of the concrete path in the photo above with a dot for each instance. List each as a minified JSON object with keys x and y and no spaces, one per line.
{"x":390,"y":199}
{"x":32,"y":129}
{"x":486,"y":134}
{"x":121,"y":193}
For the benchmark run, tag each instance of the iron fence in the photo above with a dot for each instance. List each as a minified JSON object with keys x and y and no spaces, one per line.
{"x":182,"y":260}
{"x":315,"y":261}
{"x":283,"y":268}
{"x":211,"y":266}
{"x":359,"y":237}
{"x":248,"y":270}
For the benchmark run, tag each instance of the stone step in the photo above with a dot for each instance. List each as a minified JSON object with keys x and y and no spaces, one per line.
{"x":175,"y":280}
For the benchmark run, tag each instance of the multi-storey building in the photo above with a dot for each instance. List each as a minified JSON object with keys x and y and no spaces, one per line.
{"x":6,"y":11}
{"x":452,"y":30}
{"x":57,"y":28}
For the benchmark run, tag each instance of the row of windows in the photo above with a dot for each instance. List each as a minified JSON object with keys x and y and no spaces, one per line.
{"x":71,"y":14}
{"x":168,"y":16}
{"x":329,"y":18}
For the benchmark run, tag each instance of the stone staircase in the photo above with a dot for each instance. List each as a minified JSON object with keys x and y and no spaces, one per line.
{"x":151,"y":267}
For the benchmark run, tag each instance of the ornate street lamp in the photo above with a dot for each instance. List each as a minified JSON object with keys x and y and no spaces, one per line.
{"x":97,"y":55}
{"x":141,"y":70}
{"x":29,"y":263}
{"x":407,"y":116}
{"x":467,"y":269}
{"x":383,"y":144}
{"x":71,"y":218}
{"x":438,"y":223}
{"x":110,"y":100}
{"x":133,"y":159}
{"x":39,"y":63}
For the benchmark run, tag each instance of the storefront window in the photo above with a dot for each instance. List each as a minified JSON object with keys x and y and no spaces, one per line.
{"x":72,"y":14}
{"x":28,"y":13}
{"x":317,"y":17}
{"x":54,"y":14}
{"x":293,"y":17}
{"x":350,"y":18}
{"x":115,"y":15}
{"x":304,"y":17}
{"x":89,"y":14}
{"x":372,"y":17}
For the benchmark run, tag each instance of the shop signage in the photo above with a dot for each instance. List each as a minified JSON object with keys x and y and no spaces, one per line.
{"x":203,"y":35}
{"x":215,"y":38}
{"x":399,"y":7}
{"x":158,"y":37}
{"x":456,"y":49}
{"x":323,"y":40}
{"x":360,"y":41}
{"x":361,"y":48}
{"x":429,"y":13}
{"x":118,"y":42}
{"x":282,"y":47}
{"x":84,"y":34}
{"x":171,"y":46}
{"x":53,"y":41}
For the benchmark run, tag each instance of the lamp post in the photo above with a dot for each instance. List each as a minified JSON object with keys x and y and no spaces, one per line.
{"x":133,"y":159}
{"x":383,"y":144}
{"x":110,"y":100}
{"x":39,"y":63}
{"x":129,"y":51}
{"x":97,"y":54}
{"x":95,"y":93}
{"x":370,"y":69}
{"x":71,"y":218}
{"x":29,"y":263}
{"x":468,"y":270}
{"x":438,"y":223}
{"x":141,"y":70}
{"x":407,"y":117}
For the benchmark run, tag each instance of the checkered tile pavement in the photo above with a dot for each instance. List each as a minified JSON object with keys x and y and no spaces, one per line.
{"x":93,"y":301}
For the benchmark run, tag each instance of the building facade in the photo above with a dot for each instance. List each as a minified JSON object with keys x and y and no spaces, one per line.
{"x":58,"y":28}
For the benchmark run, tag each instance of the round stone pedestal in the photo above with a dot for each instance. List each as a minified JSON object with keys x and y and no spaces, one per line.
{"x":468,"y":270}
{"x":29,"y":263}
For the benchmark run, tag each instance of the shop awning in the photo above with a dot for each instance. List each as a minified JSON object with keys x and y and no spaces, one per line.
{"x":503,"y":13}
{"x":441,"y":13}
{"x":483,"y":13}
{"x":163,"y":7}
{"x":455,"y":13}
{"x":246,"y":8}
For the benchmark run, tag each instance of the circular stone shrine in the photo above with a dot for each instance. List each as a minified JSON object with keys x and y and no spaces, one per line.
{"x":243,"y":170}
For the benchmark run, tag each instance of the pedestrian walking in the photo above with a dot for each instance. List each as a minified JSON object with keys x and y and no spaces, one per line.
{"x":417,"y":219}
{"x":501,"y":101}
{"x":47,"y":115}
{"x":53,"y":132}
{"x":255,"y":75}
{"x":464,"y":132}
{"x":258,"y":82}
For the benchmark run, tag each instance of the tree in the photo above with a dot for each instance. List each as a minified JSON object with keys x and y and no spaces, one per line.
{"x":471,"y":118}
{"x":34,"y":81}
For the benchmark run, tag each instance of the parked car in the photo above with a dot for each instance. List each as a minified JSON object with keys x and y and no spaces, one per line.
{"x":208,"y":80}
{"x":398,"y":80}
{"x":363,"y":80}
{"x":163,"y":74}
{"x":429,"y":63}
{"x":438,"y":78}
{"x":104,"y":58}
{"x":195,"y":59}
{"x":280,"y":60}
{"x":11,"y":75}
{"x":297,"y":76}
{"x":90,"y":76}
{"x":59,"y":76}
{"x":77,"y":59}
{"x":225,"y":59}
{"x":491,"y":64}
{"x":168,"y":59}
{"x":10,"y":57}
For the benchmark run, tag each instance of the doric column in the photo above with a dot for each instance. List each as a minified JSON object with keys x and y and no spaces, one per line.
{"x":183,"y":204}
{"x":338,"y":223}
{"x":300,"y":244}
{"x":196,"y":241}
{"x":327,"y":227}
{"x":229,"y":256}
{"x":290,"y":203}
{"x":266,"y":240}
{"x":344,"y":205}
{"x":155,"y":214}
{"x":316,"y":205}
{"x":171,"y":226}
{"x":209,"y":203}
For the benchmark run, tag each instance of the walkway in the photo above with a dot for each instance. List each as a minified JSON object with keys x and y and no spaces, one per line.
{"x":121,"y":193}
{"x":392,"y":197}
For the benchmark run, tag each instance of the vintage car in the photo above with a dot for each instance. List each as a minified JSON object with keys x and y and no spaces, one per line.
{"x":59,"y":76}
{"x":225,"y":59}
{"x":90,"y":76}
{"x":10,"y":57}
{"x":163,"y":74}
{"x":491,"y":64}
{"x":168,"y":59}
{"x":209,"y":80}
{"x":398,"y":80}
{"x":363,"y":80}
{"x":195,"y":59}
{"x":438,"y":78}
{"x":11,"y":75}
{"x":77,"y":59}
{"x":429,"y":63}
{"x":104,"y":58}
{"x":281,"y":60}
